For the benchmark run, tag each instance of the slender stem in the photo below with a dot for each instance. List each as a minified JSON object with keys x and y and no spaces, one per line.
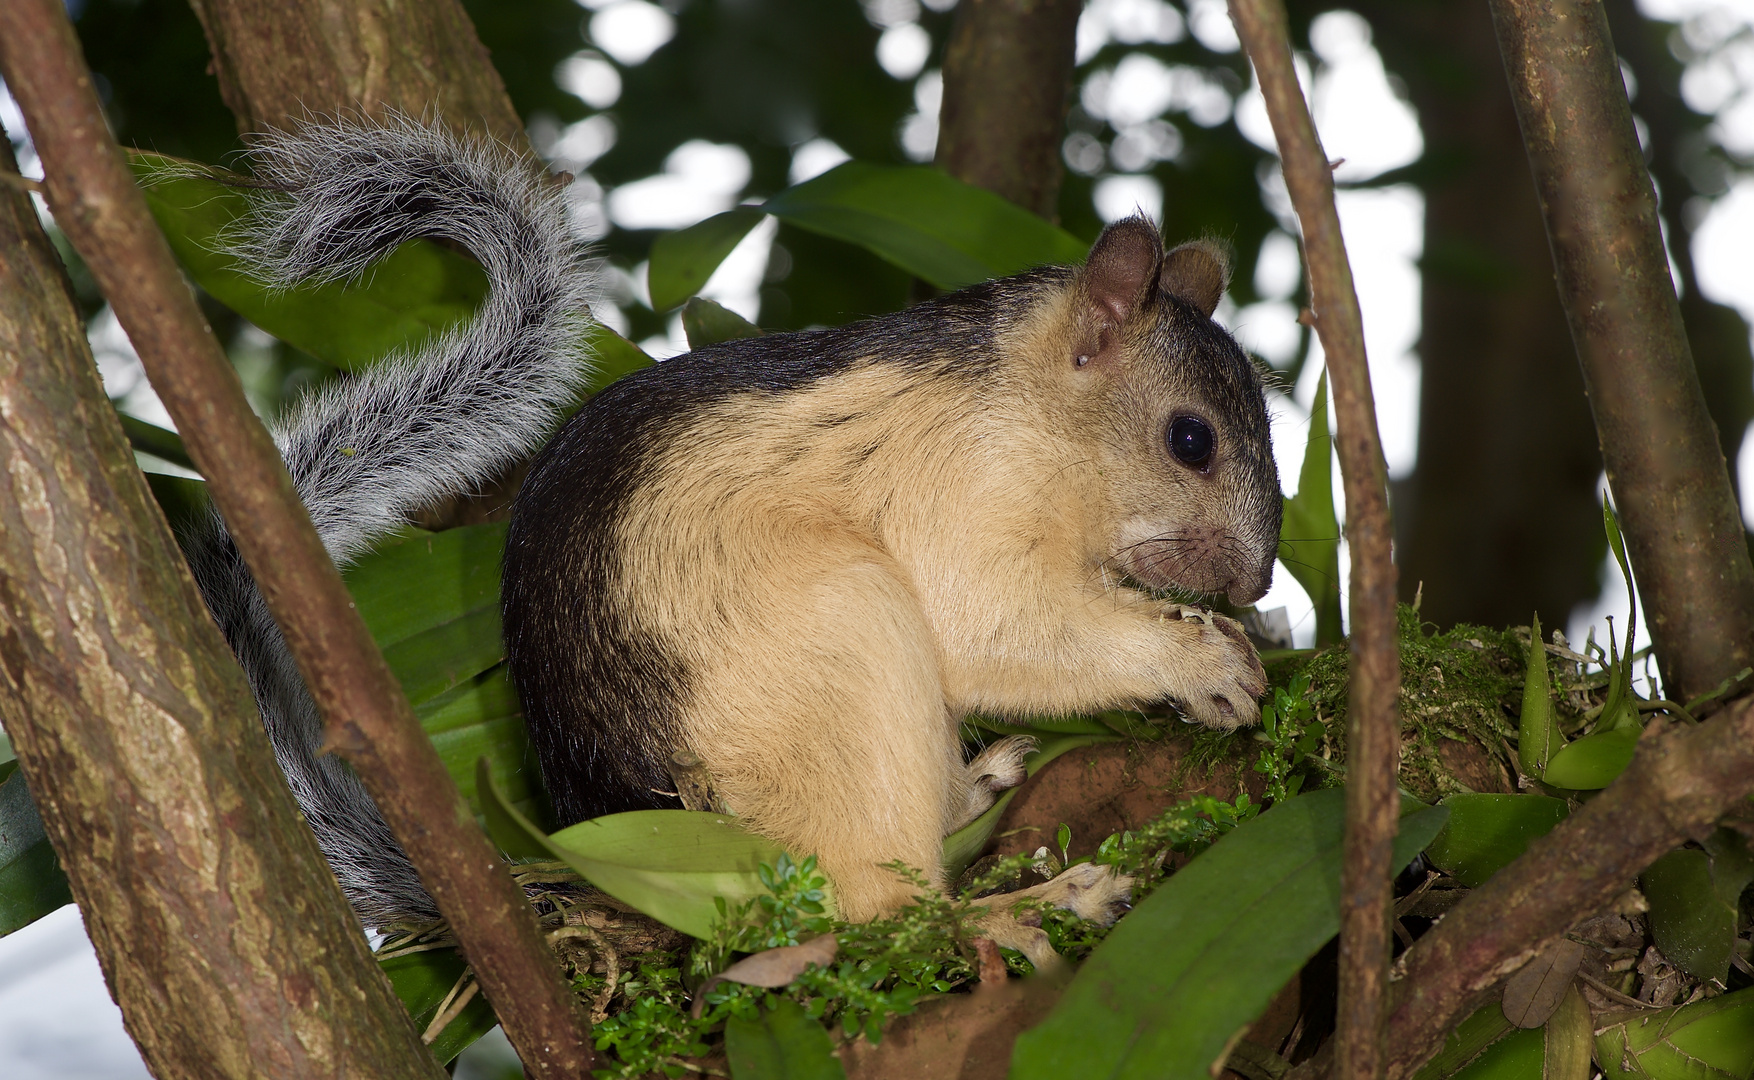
{"x":1373,"y":730}
{"x":1679,"y":783}
{"x":367,"y":717}
{"x":1683,"y":530}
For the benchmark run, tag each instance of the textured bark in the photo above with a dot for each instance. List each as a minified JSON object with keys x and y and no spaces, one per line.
{"x":1683,"y":529}
{"x":1372,"y":722}
{"x":367,"y":717}
{"x":280,"y":60}
{"x":1678,"y":785}
{"x":1007,"y":75}
{"x":1500,"y":518}
{"x":1682,"y":166}
{"x":220,"y":931}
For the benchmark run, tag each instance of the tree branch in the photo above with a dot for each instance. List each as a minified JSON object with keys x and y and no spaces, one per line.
{"x":1007,"y":74}
{"x":1681,"y":781}
{"x":221,"y":933}
{"x":1683,"y":530}
{"x":1373,"y":730}
{"x":367,"y":716}
{"x":281,"y":60}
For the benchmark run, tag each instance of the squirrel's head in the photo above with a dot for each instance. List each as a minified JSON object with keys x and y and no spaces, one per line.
{"x":1185,"y":451}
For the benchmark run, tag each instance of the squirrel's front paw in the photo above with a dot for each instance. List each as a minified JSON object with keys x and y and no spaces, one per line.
{"x":1221,"y":674}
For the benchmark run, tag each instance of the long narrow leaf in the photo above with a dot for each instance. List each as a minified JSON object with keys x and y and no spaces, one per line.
{"x":925,"y":222}
{"x":683,"y":260}
{"x":1309,"y":534}
{"x":782,"y":1044}
{"x":1204,"y":954}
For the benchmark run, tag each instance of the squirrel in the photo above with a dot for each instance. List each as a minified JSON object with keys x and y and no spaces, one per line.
{"x":801,"y":558}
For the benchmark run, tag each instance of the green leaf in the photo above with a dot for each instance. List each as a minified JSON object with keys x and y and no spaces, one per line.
{"x":1202,"y":956}
{"x":1692,"y":925}
{"x":782,"y":1044}
{"x":669,"y":864}
{"x":707,"y":323}
{"x":937,"y":228}
{"x":1470,"y":1038}
{"x":484,"y":719}
{"x":1488,"y":832}
{"x":613,"y":356}
{"x":1593,"y":761}
{"x":31,"y":882}
{"x":1538,"y":734}
{"x":1518,"y":1056}
{"x":1732,"y":865}
{"x":419,"y":290}
{"x":431,"y":601}
{"x":1309,"y":535}
{"x":422,"y":981}
{"x":683,"y":260}
{"x":1707,"y":1040}
{"x":961,"y":846}
{"x":152,"y":439}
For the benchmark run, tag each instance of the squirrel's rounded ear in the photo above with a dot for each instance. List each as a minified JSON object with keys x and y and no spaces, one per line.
{"x":1197,"y":272}
{"x":1123,"y":261}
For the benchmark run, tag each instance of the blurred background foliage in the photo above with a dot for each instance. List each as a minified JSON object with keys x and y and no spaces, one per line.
{"x":668,"y":112}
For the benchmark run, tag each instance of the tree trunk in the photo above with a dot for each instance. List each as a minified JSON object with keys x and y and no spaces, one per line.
{"x":1683,"y":530}
{"x":1500,"y":518}
{"x":1007,"y":74}
{"x":221,"y":933}
{"x":281,"y":60}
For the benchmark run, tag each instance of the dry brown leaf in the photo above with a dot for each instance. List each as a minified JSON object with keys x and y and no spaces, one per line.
{"x":773,"y":968}
{"x":1535,"y":991}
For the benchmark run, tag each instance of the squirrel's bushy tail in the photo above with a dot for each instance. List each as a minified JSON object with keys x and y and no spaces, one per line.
{"x":366,"y":452}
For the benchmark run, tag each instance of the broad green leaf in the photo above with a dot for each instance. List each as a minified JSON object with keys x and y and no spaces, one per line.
{"x":422,"y":981}
{"x":937,"y":228}
{"x":1692,"y":925}
{"x":961,"y":846}
{"x":782,"y":1044}
{"x":1488,"y":832}
{"x":1593,"y":761}
{"x":31,"y":882}
{"x":418,"y":290}
{"x":707,"y":323}
{"x":483,"y":719}
{"x":1470,"y":1038}
{"x":613,"y":356}
{"x":1732,"y":864}
{"x":1707,"y":1040}
{"x":1309,"y":535}
{"x":1518,"y":1056}
{"x":683,"y":260}
{"x":431,"y":601}
{"x":1538,"y":734}
{"x":1203,"y":955}
{"x":669,"y":864}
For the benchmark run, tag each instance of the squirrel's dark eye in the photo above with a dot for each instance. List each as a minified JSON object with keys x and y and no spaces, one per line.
{"x":1190,"y":440}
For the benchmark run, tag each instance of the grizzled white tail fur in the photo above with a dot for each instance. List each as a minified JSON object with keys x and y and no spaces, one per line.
{"x":366,"y":452}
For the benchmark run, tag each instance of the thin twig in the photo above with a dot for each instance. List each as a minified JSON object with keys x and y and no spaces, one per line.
{"x":452,"y":1007}
{"x":1373,"y":731}
{"x":367,"y":716}
{"x":1614,"y":995}
{"x":22,"y":183}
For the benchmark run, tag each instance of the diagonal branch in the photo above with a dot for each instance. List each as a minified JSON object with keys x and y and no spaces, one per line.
{"x":367,"y":716}
{"x":1373,"y":730}
{"x":1678,"y":785}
